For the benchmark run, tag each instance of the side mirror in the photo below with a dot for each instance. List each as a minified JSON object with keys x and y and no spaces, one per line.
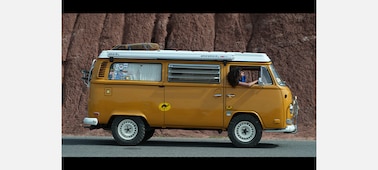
{"x":85,"y":74}
{"x":85,"y":77}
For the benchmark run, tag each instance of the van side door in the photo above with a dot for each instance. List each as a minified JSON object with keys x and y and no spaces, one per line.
{"x":263,"y":99}
{"x":194,"y":94}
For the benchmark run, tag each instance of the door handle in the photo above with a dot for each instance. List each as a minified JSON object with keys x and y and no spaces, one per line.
{"x":217,"y":95}
{"x":230,"y":95}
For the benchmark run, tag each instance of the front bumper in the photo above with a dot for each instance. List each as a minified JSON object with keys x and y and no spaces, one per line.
{"x":288,"y":129}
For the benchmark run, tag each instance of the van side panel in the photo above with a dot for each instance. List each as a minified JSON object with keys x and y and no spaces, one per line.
{"x":194,"y":107}
{"x":265,"y":101}
{"x":123,"y":99}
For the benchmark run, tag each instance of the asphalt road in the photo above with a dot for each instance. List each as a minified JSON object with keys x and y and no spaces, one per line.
{"x":186,"y":153}
{"x":93,"y":146}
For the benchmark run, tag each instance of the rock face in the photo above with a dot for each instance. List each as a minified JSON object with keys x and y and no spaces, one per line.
{"x":288,"y":38}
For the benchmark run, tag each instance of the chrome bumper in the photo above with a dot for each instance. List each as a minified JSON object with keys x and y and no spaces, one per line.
{"x":288,"y":129}
{"x":90,"y":121}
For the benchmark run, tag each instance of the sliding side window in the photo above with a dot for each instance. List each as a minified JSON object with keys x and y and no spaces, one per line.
{"x":194,"y":73}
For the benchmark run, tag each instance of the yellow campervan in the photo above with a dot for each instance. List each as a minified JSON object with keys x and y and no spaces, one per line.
{"x":133,"y":91}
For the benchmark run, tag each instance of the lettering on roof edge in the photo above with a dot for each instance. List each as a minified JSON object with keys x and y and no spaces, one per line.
{"x":112,"y":54}
{"x":212,"y":56}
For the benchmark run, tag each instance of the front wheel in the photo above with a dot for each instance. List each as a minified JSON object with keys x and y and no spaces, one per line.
{"x":128,"y":130}
{"x":149,"y":133}
{"x":245,"y":131}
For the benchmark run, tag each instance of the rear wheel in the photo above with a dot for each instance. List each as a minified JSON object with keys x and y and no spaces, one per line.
{"x":128,"y":130}
{"x":245,"y":131}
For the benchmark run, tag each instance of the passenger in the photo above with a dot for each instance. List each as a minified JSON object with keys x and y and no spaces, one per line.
{"x":242,"y":78}
{"x":235,"y":77}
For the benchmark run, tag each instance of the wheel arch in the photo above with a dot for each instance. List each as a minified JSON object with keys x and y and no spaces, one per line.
{"x":109,"y":124}
{"x":252,"y":113}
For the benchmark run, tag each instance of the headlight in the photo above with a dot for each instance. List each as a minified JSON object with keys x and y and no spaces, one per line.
{"x":294,"y":107}
{"x":289,"y":121}
{"x":291,"y":108}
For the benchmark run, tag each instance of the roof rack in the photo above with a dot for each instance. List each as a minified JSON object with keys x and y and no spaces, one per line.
{"x":137,"y":46}
{"x":185,"y":55}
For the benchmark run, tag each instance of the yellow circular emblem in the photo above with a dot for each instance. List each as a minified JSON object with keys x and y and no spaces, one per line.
{"x":164,"y":106}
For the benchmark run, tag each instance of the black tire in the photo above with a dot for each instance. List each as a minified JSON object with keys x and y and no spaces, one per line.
{"x":245,"y":131}
{"x":128,"y":130}
{"x":149,"y":133}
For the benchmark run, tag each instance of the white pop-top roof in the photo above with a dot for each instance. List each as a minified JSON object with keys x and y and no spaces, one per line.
{"x":185,"y":55}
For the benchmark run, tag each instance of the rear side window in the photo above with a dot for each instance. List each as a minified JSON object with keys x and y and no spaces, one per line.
{"x":135,"y":71}
{"x":194,"y":73}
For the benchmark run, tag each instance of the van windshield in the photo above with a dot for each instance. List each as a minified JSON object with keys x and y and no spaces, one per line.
{"x":277,"y":76}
